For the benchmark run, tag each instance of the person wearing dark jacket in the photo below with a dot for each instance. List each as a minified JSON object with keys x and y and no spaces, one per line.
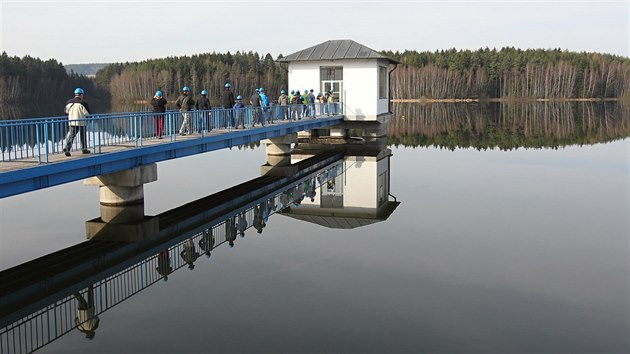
{"x":203,"y":104}
{"x":77,"y":110}
{"x":227,"y":101}
{"x":159,"y":108}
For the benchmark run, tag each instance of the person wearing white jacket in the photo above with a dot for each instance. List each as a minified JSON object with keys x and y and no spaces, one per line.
{"x":77,"y":109}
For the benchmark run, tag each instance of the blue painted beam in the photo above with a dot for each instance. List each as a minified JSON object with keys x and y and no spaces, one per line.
{"x":44,"y":176}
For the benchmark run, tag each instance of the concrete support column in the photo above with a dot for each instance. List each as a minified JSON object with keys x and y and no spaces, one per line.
{"x":380,"y":130}
{"x":280,"y":145}
{"x":338,"y":133}
{"x":121,"y":197}
{"x":279,"y":156}
{"x":124,"y":187}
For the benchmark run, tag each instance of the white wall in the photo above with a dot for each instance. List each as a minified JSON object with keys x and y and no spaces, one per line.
{"x":360,"y":85}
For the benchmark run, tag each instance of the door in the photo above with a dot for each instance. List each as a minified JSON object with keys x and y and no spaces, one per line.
{"x":336,"y":86}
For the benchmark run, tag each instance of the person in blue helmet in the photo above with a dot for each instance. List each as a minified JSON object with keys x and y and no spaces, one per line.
{"x":311,"y":103}
{"x":227,"y":102}
{"x":203,"y":104}
{"x":77,"y":110}
{"x":158,"y":102}
{"x":185,"y":103}
{"x":264,"y":103}
{"x":283,"y":101}
{"x":295,"y":103}
{"x":256,"y":107}
{"x":239,"y":112}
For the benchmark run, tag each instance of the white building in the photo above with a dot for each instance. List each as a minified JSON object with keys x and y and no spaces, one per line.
{"x":357,"y":75}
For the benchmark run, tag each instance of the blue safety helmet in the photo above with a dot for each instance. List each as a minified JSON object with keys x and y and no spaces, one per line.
{"x":227,"y":85}
{"x":158,"y":93}
{"x":185,"y":89}
{"x":292,"y":91}
{"x":282,"y":92}
{"x":262,"y":89}
{"x":78,"y":91}
{"x":257,"y":90}
{"x":239,"y":97}
{"x":204,"y":92}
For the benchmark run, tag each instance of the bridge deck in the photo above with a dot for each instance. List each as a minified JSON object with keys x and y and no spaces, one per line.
{"x":6,"y":166}
{"x":25,"y":175}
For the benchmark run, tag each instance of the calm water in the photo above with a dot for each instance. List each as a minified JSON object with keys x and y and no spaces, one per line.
{"x":511,"y":236}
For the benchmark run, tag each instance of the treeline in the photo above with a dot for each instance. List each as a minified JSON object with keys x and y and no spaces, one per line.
{"x":508,"y":126}
{"x":32,"y":81}
{"x":509,"y":73}
{"x":130,"y":82}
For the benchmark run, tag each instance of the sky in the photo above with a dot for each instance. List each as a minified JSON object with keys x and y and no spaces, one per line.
{"x":97,"y":31}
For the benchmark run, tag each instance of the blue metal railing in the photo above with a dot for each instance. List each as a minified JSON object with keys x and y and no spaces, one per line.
{"x":39,"y":138}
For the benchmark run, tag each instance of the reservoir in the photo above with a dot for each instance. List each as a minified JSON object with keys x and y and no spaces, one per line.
{"x":510,"y":236}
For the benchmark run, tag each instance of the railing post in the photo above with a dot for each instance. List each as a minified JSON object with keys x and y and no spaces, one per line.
{"x":100,"y":133}
{"x":39,"y":150}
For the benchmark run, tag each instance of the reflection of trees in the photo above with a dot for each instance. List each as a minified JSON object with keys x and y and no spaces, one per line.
{"x":508,"y":125}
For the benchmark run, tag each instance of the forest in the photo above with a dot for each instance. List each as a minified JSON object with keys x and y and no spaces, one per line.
{"x":129,"y":82}
{"x":509,"y":73}
{"x":506,"y":73}
{"x":32,"y":81}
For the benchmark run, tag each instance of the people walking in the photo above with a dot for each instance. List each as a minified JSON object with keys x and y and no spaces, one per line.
{"x":185,"y":103}
{"x":164,"y":267}
{"x":264,"y":103}
{"x":227,"y":101}
{"x":304,"y":102}
{"x":206,"y":243}
{"x":77,"y":110}
{"x":254,"y":100}
{"x":311,"y":103}
{"x":239,"y":112}
{"x":158,"y":102}
{"x":296,"y":105}
{"x":283,"y":101}
{"x":203,"y":105}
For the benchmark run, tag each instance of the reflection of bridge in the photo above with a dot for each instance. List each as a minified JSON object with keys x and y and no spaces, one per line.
{"x":38,"y":298}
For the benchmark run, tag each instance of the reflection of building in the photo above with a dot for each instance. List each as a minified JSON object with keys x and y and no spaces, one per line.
{"x":356,"y":198}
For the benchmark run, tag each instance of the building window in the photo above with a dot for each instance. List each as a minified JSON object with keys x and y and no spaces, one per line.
{"x":327,"y":73}
{"x":382,"y":82}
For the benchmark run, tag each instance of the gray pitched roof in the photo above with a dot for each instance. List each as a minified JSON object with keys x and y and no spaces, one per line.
{"x":336,"y":50}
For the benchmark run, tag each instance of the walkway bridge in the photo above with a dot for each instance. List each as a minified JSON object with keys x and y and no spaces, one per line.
{"x":32,"y":149}
{"x":38,"y":299}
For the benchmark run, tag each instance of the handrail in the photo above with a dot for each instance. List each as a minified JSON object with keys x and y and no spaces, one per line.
{"x":42,"y":137}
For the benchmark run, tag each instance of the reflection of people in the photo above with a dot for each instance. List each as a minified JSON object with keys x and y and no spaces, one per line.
{"x":259,"y":222}
{"x":230,"y":231}
{"x":241,"y":225}
{"x":77,"y":110}
{"x":206,"y":243}
{"x":86,"y":320}
{"x":189,"y":254}
{"x":310,"y":187}
{"x":164,"y":264}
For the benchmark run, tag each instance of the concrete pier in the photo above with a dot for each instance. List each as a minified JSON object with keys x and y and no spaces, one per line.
{"x":279,"y":156}
{"x":124,"y":187}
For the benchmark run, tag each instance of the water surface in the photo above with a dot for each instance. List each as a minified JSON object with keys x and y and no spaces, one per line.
{"x":511,"y":236}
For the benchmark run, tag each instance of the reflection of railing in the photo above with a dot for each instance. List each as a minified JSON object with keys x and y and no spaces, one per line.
{"x":41,"y":137}
{"x":45,"y":325}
